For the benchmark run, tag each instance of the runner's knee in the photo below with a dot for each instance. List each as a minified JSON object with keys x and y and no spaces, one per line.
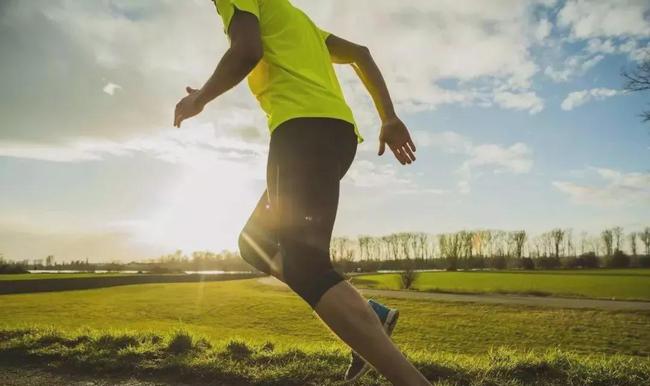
{"x":309,"y":277}
{"x":253,"y":252}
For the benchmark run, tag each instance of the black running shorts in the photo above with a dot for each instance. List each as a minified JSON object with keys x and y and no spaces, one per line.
{"x":296,"y":213}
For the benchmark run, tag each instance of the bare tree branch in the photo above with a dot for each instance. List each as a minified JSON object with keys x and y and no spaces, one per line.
{"x":639,"y":80}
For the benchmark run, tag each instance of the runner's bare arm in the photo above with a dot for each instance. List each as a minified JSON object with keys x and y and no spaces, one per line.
{"x":239,"y":60}
{"x":393,"y":131}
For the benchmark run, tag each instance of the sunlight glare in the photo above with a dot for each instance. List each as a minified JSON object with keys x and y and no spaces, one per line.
{"x":206,"y":210}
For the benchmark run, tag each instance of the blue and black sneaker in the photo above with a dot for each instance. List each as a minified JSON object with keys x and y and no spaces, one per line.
{"x":388,"y":317}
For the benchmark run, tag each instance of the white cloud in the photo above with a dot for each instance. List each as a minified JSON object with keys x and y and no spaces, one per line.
{"x":367,"y":174}
{"x":632,"y":47}
{"x":186,"y":146}
{"x":95,"y":48}
{"x":519,"y":101}
{"x":601,"y":25}
{"x":635,"y":51}
{"x":445,"y":34}
{"x":447,"y":37}
{"x":543,"y":29}
{"x":110,"y":88}
{"x":47,"y":152}
{"x":547,"y":3}
{"x":596,"y":18}
{"x":618,"y":189}
{"x":449,"y":141}
{"x":595,"y":46}
{"x":578,"y":98}
{"x":513,"y":159}
{"x":573,"y":66}
{"x":146,"y":44}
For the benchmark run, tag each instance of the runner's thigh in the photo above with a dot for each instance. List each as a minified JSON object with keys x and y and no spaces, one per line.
{"x":258,"y":241}
{"x":303,"y":183}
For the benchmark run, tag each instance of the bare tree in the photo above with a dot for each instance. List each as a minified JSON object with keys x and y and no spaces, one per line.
{"x":487,"y":242}
{"x":466,"y":243}
{"x":546,"y":244}
{"x":618,"y":237}
{"x":499,"y":241}
{"x":479,"y":238}
{"x":341,"y":249}
{"x":364,"y":243}
{"x":519,"y":238}
{"x":401,"y":242}
{"x":583,"y":242}
{"x":557,"y":236}
{"x":392,"y":248}
{"x":570,"y":247}
{"x":422,"y":240}
{"x":430,"y":246}
{"x":645,"y":238}
{"x":450,"y":247}
{"x":409,"y":244}
{"x":608,"y":239}
{"x":408,"y":276}
{"x":377,"y":248}
{"x":639,"y":80}
{"x":594,"y":242}
{"x":535,"y":246}
{"x":632,"y":237}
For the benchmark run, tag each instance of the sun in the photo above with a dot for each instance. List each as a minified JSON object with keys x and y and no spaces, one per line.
{"x":205,"y":209}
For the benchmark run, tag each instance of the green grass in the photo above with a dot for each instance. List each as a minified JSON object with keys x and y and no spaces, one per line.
{"x":630,"y":284}
{"x":246,"y":332}
{"x":38,"y":276}
{"x":183,"y":356}
{"x":256,"y":313}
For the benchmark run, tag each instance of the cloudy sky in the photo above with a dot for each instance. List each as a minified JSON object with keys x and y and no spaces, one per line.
{"x":516,"y":108}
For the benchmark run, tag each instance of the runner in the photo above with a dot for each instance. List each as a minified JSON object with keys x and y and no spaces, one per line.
{"x":288,"y":62}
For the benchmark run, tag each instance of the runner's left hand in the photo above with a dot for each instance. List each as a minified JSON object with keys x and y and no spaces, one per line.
{"x":187,"y":107}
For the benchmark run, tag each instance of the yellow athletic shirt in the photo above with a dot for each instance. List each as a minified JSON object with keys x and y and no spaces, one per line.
{"x":295,"y":77}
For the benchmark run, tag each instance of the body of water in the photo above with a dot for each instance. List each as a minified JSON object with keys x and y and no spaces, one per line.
{"x":130,"y":272}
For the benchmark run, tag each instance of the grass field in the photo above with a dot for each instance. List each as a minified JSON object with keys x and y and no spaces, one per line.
{"x":456,"y":342}
{"x":629,"y":284}
{"x":182,"y":357}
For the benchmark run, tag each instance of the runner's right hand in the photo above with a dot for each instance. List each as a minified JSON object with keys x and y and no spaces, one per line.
{"x":395,"y":134}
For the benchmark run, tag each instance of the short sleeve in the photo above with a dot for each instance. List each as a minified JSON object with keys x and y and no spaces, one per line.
{"x":226,"y":9}
{"x":323,"y":34}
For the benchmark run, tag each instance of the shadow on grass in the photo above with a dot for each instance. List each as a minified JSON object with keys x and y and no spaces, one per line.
{"x":188,"y":358}
{"x":80,"y":283}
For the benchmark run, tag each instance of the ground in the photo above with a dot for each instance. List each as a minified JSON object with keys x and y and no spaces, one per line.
{"x":489,"y":298}
{"x":26,"y":376}
{"x":618,"y":284}
{"x":452,"y":342}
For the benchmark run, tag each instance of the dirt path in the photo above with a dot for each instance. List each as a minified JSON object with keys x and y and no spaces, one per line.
{"x":537,"y":301}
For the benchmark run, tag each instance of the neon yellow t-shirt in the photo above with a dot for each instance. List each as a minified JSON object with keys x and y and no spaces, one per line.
{"x":295,"y":77}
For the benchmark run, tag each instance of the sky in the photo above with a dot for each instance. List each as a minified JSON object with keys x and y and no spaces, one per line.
{"x":516,"y":108}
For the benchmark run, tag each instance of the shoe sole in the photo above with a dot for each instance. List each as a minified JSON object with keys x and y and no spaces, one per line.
{"x":389,"y":325}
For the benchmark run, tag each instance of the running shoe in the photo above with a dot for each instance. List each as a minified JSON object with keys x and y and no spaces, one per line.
{"x":388,"y":317}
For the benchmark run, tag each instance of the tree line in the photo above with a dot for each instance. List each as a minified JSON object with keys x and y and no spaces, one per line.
{"x":468,"y":249}
{"x":176,"y":262}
